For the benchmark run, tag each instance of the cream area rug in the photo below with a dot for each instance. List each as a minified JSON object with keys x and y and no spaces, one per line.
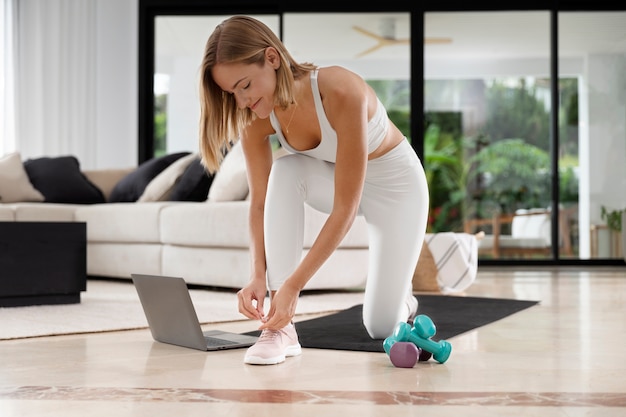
{"x":114,"y":305}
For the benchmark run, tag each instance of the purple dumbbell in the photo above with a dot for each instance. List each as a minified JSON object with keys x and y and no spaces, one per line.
{"x":404,"y":354}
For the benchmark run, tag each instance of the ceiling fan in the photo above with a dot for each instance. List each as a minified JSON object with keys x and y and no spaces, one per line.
{"x":387,"y":36}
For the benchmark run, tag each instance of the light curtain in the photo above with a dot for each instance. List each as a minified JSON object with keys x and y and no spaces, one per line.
{"x":54,"y":85}
{"x":7,"y":92}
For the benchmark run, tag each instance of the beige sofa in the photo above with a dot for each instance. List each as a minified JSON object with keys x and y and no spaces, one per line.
{"x":204,"y":242}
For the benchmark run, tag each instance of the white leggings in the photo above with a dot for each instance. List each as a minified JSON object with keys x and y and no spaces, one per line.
{"x":395,"y":206}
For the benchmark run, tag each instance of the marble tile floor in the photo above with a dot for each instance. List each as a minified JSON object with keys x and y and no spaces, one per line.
{"x":563,"y":357}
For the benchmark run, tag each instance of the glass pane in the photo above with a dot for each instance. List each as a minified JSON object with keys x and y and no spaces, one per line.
{"x":374,"y":45}
{"x":592,"y":62}
{"x":179,"y":46}
{"x":487,"y":129}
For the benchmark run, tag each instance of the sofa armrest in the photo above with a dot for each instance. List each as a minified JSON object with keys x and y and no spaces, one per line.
{"x":106,"y":179}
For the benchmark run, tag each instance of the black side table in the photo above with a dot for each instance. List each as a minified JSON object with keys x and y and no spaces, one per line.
{"x":42,"y":263}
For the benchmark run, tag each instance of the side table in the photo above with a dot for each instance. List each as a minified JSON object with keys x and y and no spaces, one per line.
{"x":42,"y":263}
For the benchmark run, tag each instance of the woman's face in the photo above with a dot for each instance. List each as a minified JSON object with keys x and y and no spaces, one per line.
{"x":252,"y":85}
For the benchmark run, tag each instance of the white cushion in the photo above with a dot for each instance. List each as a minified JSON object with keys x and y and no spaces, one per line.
{"x":6,"y":213}
{"x":230,"y":267}
{"x":14,"y":183}
{"x":507,"y":241}
{"x":532,"y":224}
{"x":48,"y":212}
{"x":225,"y":224}
{"x":121,"y":259}
{"x":123,"y":222}
{"x":230,"y":182}
{"x":161,"y":186}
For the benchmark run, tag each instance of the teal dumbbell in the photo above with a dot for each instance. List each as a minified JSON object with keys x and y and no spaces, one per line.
{"x":420,"y":335}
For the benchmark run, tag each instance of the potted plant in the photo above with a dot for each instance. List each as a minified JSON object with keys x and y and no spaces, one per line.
{"x":613,"y":219}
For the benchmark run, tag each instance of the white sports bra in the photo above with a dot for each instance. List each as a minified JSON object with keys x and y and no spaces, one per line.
{"x":327,"y":148}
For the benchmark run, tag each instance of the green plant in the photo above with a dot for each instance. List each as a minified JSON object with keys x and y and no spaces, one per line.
{"x":445,"y":173}
{"x":568,"y":179}
{"x":613,"y":218}
{"x":160,"y":125}
{"x":514,"y":174}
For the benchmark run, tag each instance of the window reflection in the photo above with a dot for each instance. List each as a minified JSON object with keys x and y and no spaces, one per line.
{"x":179,"y":46}
{"x":375,"y":45}
{"x":487,"y":138}
{"x":488,"y":144}
{"x":592,"y":51}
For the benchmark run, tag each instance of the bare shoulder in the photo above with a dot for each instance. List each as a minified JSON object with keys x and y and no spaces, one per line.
{"x":340,"y":82}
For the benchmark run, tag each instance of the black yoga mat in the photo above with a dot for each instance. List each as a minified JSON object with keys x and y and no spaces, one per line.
{"x":452,"y":315}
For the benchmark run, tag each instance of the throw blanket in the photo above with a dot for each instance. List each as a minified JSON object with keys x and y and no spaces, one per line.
{"x":448,"y":262}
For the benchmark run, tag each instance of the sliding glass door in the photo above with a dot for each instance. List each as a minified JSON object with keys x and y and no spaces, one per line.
{"x":178,"y":49}
{"x":535,"y":166}
{"x":487,"y":128}
{"x":592,"y":75}
{"x":375,"y":45}
{"x":496,"y":165}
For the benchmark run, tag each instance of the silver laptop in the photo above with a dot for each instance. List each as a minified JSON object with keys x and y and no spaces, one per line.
{"x":172,"y":317}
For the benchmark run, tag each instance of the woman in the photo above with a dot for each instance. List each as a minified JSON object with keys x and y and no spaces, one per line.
{"x":347,"y":158}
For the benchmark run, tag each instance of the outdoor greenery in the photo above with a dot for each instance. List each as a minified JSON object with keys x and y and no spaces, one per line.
{"x":446,"y":171}
{"x":514,"y":174}
{"x":516,"y":111}
{"x":505,"y":163}
{"x":160,"y":125}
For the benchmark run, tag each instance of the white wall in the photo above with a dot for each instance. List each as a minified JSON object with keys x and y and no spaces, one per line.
{"x":602,"y":140}
{"x":117,"y":83}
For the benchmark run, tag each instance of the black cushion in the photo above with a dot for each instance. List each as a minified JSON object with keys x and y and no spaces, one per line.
{"x":60,"y":180}
{"x":193,"y":185}
{"x":130,"y":188}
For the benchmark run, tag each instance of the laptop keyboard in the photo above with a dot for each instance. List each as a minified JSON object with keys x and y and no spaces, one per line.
{"x":214,"y":341}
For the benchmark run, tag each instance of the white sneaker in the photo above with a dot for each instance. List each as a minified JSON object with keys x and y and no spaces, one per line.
{"x":274,"y":346}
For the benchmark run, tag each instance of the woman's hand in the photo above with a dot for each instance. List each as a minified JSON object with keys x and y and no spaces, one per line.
{"x":251,"y":299}
{"x":282,"y":307}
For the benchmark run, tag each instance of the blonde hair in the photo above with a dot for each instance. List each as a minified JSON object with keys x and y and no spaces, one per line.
{"x":239,"y":39}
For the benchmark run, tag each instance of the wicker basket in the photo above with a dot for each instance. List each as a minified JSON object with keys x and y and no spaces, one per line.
{"x":425,"y":276}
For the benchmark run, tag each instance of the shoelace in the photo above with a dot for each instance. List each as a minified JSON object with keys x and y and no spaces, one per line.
{"x":268,"y":336}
